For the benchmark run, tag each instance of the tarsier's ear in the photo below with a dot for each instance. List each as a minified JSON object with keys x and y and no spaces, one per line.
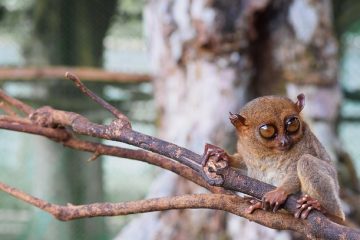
{"x":300,"y":103}
{"x":237,"y":120}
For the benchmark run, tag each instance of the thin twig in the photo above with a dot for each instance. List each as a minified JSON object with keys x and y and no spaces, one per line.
{"x":14,"y":120}
{"x":16,"y":103}
{"x":7,"y":109}
{"x":97,"y":99}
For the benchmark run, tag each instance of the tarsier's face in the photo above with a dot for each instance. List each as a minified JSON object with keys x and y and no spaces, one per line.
{"x":279,"y":133}
{"x":271,"y":123}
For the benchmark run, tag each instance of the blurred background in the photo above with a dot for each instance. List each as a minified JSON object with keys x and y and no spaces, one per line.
{"x":176,"y":68}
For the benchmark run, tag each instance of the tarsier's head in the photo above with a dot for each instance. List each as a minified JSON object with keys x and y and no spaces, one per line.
{"x":272,"y":123}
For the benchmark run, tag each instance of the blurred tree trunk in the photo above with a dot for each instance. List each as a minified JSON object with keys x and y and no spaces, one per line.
{"x":68,"y":33}
{"x":209,"y":57}
{"x":346,"y":17}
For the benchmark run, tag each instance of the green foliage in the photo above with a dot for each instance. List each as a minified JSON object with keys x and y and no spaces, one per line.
{"x":346,"y":16}
{"x":354,"y":27}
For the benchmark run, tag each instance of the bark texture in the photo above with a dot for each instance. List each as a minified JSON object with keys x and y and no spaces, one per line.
{"x":209,"y":58}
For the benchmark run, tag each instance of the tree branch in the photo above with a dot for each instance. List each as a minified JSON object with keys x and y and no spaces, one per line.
{"x":86,"y":73}
{"x":49,"y":122}
{"x":60,"y":135}
{"x":230,"y":203}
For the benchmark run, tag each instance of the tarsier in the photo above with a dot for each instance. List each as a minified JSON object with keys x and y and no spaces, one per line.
{"x":276,"y":146}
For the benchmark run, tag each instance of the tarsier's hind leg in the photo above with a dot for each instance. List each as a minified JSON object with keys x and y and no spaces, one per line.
{"x":318,"y":181}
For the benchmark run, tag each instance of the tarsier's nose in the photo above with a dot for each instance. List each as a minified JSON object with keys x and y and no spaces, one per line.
{"x":284,"y":143}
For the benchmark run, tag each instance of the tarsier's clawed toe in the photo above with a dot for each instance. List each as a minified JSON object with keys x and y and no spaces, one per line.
{"x":272,"y":200}
{"x":255,"y":204}
{"x":305,"y":205}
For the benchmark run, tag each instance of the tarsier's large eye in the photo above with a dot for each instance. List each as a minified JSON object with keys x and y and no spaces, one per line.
{"x":292,"y":125}
{"x":267,"y":131}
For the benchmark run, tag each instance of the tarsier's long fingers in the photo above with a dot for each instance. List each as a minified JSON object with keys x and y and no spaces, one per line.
{"x":276,"y":207}
{"x":300,"y":210}
{"x":274,"y":199}
{"x":305,"y":205}
{"x":302,"y":200}
{"x":265,"y":204}
{"x":214,"y":161}
{"x":306,"y":212}
{"x":256,"y":204}
{"x":213,"y":151}
{"x":314,"y":203}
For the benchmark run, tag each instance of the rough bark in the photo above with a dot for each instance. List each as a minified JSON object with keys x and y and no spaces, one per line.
{"x":209,"y":57}
{"x":202,"y":67}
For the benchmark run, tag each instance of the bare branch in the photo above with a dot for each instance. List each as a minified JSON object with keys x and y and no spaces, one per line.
{"x":86,"y":73}
{"x":60,"y":135}
{"x":45,"y":121}
{"x":7,"y":109}
{"x":97,"y":99}
{"x":15,"y":103}
{"x":230,"y":203}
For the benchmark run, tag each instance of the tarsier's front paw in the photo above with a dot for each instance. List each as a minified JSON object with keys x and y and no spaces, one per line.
{"x":43,"y":117}
{"x":305,"y":204}
{"x":214,"y":161}
{"x":274,"y":199}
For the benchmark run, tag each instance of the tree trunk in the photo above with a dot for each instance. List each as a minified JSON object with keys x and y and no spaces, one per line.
{"x":209,"y":58}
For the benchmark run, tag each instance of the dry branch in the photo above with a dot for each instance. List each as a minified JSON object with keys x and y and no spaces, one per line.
{"x":46,"y":121}
{"x":85,"y":73}
{"x":60,"y":135}
{"x":230,"y":203}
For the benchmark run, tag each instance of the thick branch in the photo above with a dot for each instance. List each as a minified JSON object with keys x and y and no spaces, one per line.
{"x":60,"y":135}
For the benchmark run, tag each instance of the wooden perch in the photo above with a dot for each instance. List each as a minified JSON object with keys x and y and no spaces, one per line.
{"x":85,"y":73}
{"x":50,"y":123}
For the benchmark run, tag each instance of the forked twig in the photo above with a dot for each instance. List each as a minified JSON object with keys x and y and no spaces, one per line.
{"x":7,"y":109}
{"x":16,"y":103}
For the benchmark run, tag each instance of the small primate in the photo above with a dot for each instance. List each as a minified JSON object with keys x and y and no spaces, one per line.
{"x":276,"y":146}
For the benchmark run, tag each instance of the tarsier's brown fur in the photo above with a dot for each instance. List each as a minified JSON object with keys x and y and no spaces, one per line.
{"x":293,"y":163}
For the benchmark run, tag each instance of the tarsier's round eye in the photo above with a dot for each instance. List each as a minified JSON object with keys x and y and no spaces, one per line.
{"x":267,"y":131}
{"x":292,"y":125}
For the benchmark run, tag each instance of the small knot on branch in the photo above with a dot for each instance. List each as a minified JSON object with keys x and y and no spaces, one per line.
{"x":43,"y":117}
